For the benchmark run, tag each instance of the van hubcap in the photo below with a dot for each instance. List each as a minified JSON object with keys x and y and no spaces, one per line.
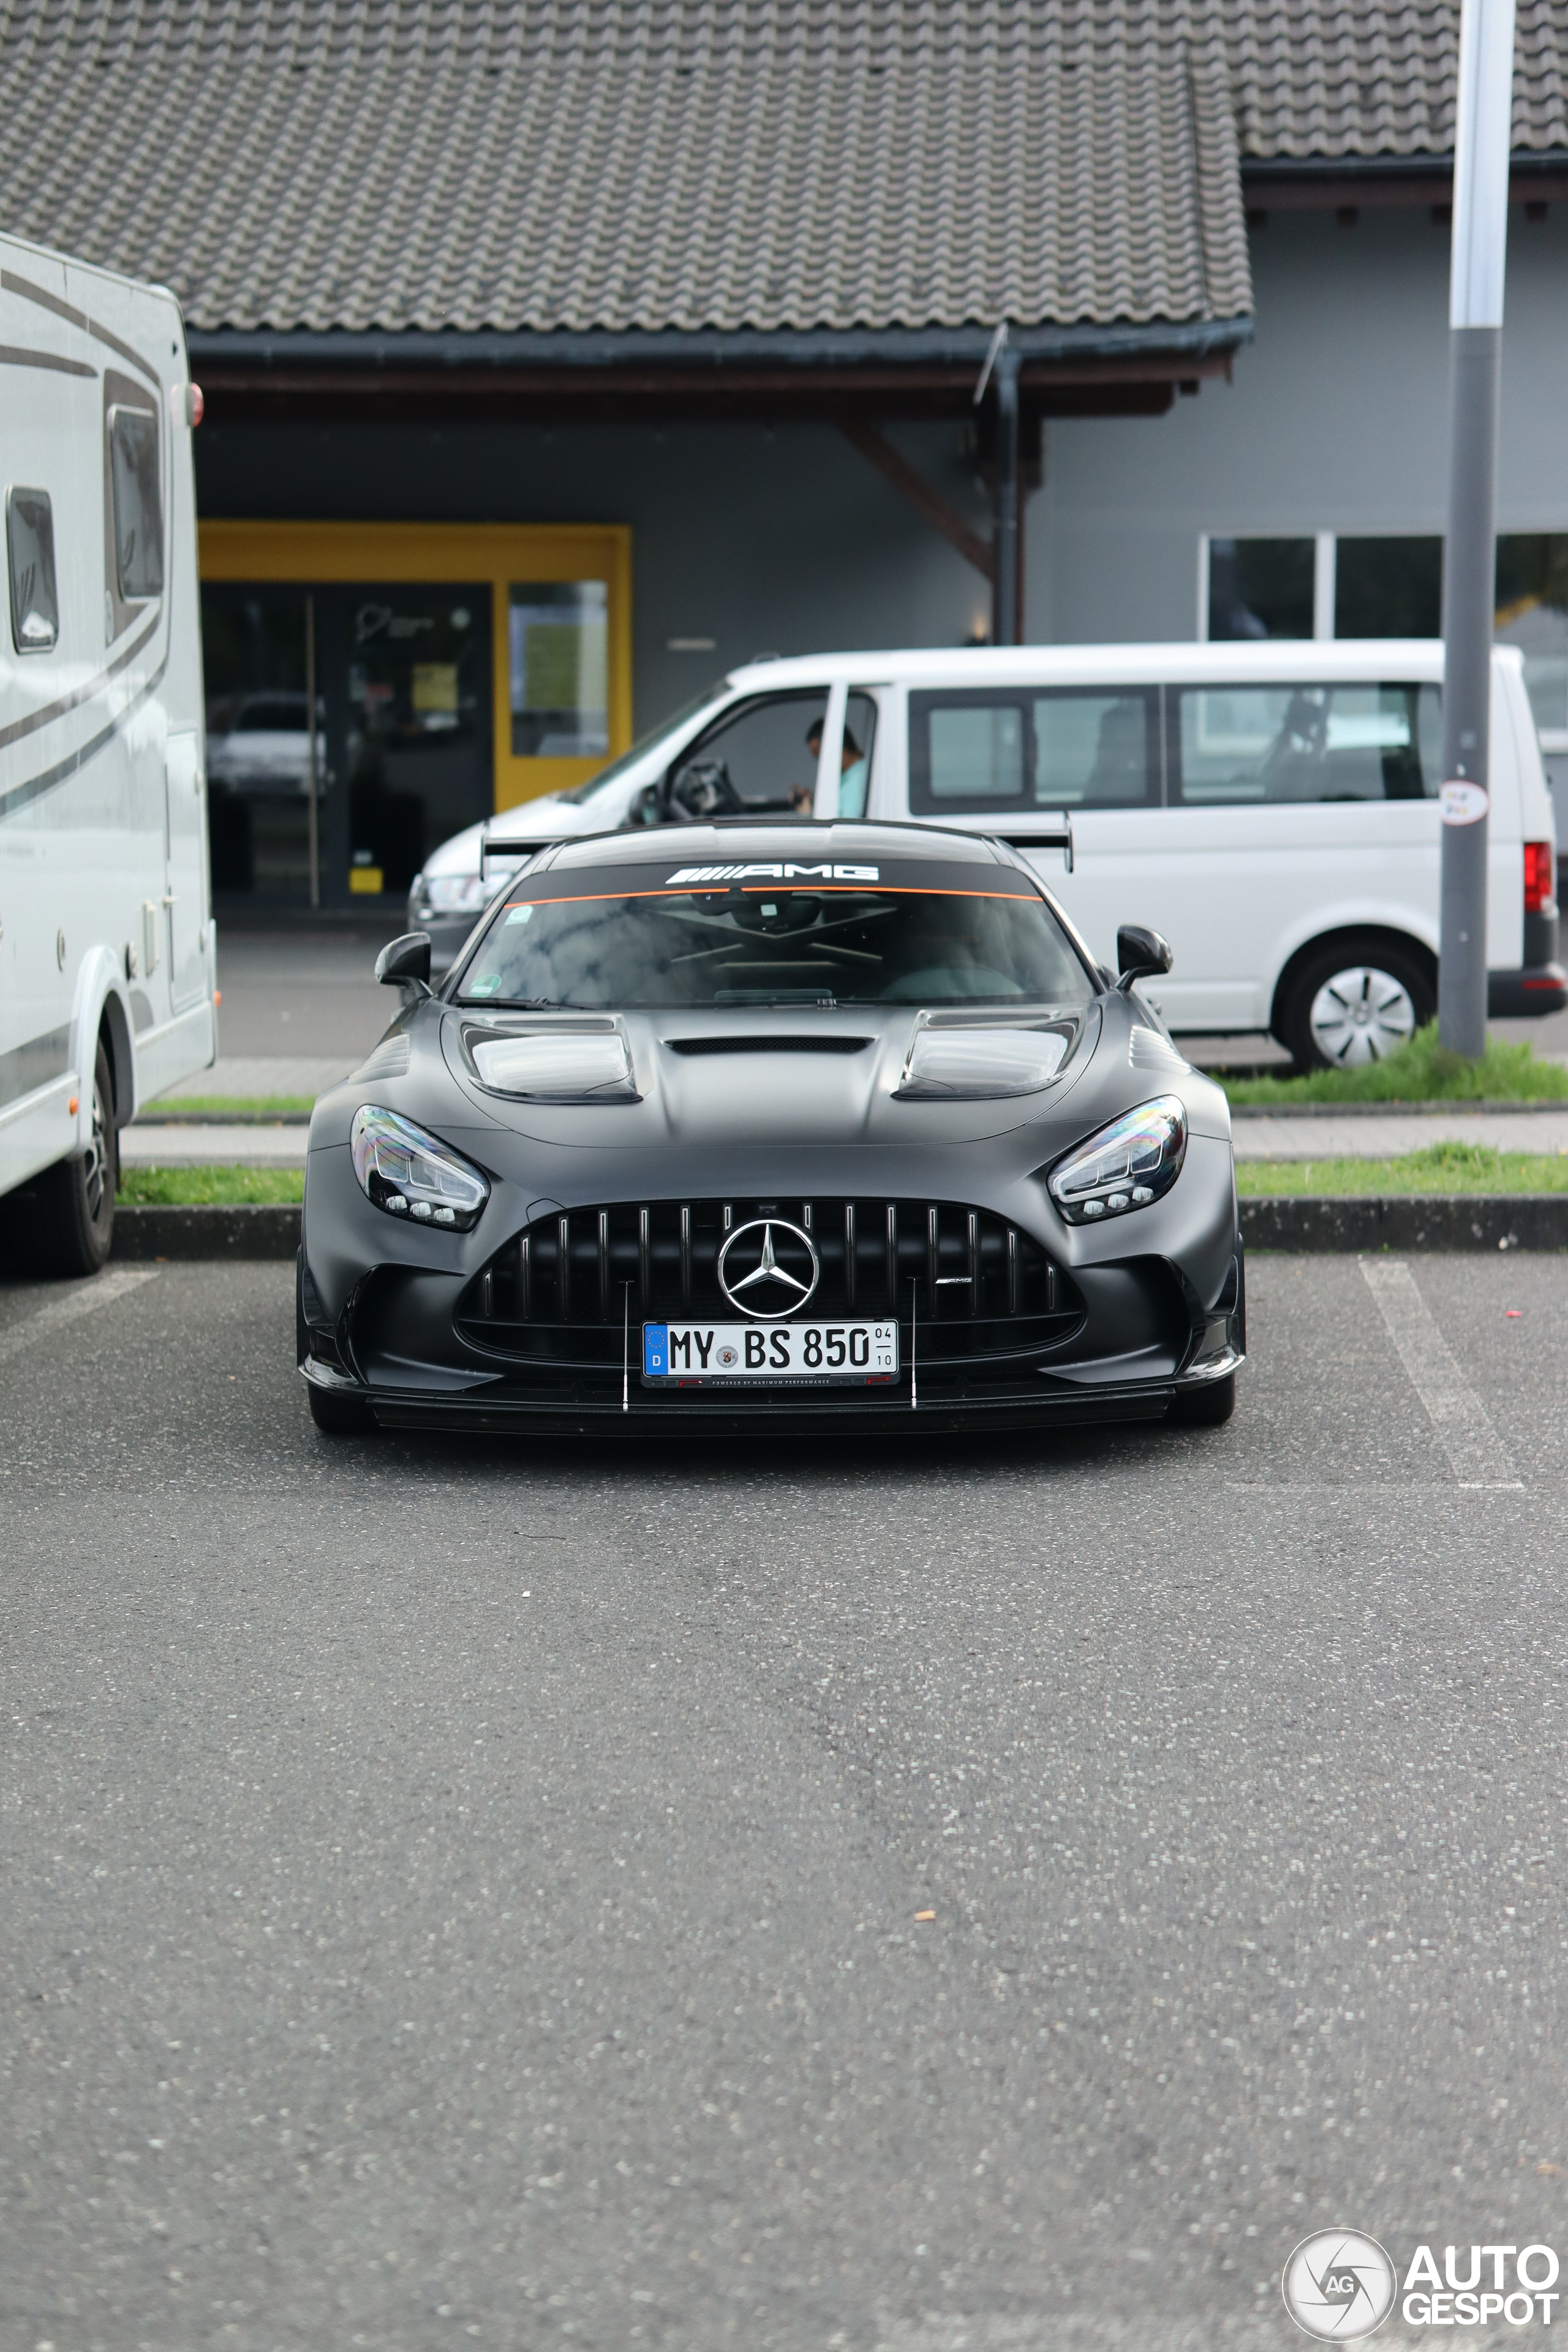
{"x":1360,"y":1015}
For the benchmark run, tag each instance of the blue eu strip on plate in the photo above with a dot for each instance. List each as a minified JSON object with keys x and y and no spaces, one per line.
{"x":655,"y":1349}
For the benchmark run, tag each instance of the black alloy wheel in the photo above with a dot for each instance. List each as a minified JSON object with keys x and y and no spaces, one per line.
{"x":73,"y":1202}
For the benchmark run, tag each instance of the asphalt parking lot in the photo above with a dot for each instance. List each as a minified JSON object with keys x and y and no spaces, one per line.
{"x":458,"y":1893}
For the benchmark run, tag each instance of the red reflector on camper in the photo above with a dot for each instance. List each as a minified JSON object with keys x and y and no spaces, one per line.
{"x":1538,"y":877}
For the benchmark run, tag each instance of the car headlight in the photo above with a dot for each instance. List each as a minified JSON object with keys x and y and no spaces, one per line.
{"x":1125,"y":1166}
{"x":971,"y":1058}
{"x":454,"y":894}
{"x":411,"y":1175}
{"x":557,"y":1066}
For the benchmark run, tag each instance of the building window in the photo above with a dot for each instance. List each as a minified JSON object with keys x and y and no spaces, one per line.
{"x":1388,"y":588}
{"x":559,"y":634}
{"x":30,"y":548}
{"x":1260,"y":587}
{"x":1533,"y":613}
{"x":1333,"y":586}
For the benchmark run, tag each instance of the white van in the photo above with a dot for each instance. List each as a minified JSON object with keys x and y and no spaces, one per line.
{"x":107,"y":950}
{"x":1271,"y":808}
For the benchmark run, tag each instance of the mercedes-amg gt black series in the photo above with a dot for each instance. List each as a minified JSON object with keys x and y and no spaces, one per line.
{"x":839,"y":1127}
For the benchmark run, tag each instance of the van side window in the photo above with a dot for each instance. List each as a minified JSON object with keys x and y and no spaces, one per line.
{"x":1033,"y":747}
{"x":30,"y":550}
{"x":1237,"y":746}
{"x":138,"y":502}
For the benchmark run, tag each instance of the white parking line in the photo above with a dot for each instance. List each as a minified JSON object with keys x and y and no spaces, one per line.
{"x":102,"y":1290}
{"x":1475,"y":1452}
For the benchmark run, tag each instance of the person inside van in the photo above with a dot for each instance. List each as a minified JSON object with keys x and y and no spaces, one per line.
{"x":852,"y":773}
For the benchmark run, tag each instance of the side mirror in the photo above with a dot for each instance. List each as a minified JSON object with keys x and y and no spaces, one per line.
{"x":406,"y":962}
{"x":1139,"y":954}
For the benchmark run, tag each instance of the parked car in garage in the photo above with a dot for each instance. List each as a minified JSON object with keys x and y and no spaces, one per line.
{"x":1271,"y":807}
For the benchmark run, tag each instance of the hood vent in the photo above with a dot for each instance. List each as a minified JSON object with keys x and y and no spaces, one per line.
{"x":822,"y":1044}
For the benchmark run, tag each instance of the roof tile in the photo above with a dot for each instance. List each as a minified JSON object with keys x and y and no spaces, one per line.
{"x":590,"y":164}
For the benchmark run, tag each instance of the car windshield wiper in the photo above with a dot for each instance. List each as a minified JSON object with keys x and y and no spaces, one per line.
{"x":522,"y":1004}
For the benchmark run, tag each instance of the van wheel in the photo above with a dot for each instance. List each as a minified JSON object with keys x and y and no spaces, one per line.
{"x":73,"y":1202}
{"x":1345,"y":1009}
{"x":1204,"y":1408}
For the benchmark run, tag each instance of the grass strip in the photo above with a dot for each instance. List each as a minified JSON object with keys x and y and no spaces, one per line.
{"x":192,"y":1188}
{"x":228,"y":1106}
{"x":1436,"y":1167}
{"x":1421,"y":1071}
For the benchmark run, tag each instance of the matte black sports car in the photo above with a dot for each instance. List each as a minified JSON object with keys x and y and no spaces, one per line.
{"x":837,"y":1125}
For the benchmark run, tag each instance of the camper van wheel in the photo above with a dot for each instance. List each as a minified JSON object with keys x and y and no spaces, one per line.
{"x":74,"y":1216}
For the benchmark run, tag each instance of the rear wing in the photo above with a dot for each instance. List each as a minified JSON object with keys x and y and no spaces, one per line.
{"x":515,"y":847}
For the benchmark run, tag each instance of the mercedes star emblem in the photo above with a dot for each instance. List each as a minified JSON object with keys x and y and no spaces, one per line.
{"x":769,"y":1286}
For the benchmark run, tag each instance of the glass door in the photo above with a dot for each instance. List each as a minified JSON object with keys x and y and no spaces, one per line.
{"x":345,"y":803}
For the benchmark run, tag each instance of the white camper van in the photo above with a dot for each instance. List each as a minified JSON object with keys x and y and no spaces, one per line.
{"x":1271,"y":808}
{"x":106,"y":949}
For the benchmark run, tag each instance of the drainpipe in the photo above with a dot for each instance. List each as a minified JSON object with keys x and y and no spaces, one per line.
{"x":1480,"y":252}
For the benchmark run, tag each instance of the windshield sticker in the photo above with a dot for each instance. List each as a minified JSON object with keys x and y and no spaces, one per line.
{"x":774,"y":874}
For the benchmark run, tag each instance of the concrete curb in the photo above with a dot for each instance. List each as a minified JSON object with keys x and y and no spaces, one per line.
{"x":1453,"y":1220}
{"x":1447,"y":1221}
{"x":1241,"y":1112}
{"x":269,"y":1231}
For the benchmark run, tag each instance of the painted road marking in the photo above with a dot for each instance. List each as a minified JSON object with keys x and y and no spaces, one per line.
{"x":1475,"y":1452}
{"x":101,"y":1290}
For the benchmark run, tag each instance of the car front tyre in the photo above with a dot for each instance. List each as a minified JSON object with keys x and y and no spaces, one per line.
{"x":1207,"y":1407}
{"x":73,"y":1203}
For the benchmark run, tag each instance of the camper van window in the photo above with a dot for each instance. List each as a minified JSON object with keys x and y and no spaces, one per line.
{"x":1014,"y":747}
{"x":1238,"y":745}
{"x":30,"y":548}
{"x":138,"y":502}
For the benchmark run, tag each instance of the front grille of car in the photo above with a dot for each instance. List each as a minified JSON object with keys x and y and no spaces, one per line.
{"x":976,"y":1296}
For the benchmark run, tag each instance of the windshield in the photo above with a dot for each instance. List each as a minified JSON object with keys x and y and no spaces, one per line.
{"x":578,"y":793}
{"x":923,"y":933}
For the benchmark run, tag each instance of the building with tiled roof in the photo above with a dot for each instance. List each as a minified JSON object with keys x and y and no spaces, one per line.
{"x":675,"y":270}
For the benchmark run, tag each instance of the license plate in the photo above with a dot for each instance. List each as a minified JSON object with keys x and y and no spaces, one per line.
{"x":703,"y":1354}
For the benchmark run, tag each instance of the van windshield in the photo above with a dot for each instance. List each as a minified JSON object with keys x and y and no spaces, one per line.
{"x":710,"y":696}
{"x":931,"y":934}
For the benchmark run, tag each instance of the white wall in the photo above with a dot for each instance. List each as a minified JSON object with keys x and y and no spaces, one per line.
{"x":1337,"y":420}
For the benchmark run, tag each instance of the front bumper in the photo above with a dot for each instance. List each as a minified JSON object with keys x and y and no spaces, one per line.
{"x":891,"y":1416}
{"x":505,"y":1342}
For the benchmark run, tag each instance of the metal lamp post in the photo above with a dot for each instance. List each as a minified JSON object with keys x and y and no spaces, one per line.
{"x":1483,"y":125}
